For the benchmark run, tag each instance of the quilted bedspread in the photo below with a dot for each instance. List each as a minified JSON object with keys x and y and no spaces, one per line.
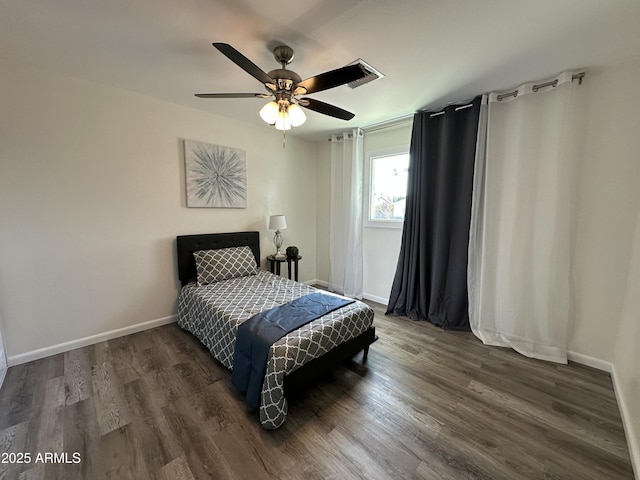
{"x":214,"y":312}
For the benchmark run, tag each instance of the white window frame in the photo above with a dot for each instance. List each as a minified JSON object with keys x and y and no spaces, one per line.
{"x":368,"y":175}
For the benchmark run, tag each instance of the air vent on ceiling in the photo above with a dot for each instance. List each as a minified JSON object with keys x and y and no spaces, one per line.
{"x":371,"y":74}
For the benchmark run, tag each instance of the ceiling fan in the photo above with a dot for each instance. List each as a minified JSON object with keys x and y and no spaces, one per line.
{"x":286,"y":86}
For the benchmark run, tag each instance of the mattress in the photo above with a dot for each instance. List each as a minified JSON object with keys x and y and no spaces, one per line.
{"x":213,"y":313}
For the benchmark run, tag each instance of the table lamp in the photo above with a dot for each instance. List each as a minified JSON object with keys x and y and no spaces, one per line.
{"x":277,"y":223}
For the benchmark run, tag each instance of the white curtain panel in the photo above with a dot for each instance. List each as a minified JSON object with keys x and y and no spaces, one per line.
{"x":521,"y":220}
{"x":345,"y":234}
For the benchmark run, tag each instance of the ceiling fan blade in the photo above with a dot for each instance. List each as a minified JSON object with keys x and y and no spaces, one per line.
{"x":232,"y":95}
{"x":244,"y":63}
{"x":331,"y":79}
{"x":325,"y":108}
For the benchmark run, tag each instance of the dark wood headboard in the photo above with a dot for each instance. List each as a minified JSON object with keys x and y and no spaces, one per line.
{"x":187,"y":244}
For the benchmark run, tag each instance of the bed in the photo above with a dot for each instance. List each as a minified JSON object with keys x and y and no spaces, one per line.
{"x":214,"y":312}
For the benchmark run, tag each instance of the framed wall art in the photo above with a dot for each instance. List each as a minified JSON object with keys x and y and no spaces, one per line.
{"x":216,"y":176}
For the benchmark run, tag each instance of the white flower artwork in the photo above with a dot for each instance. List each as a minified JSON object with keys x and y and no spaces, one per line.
{"x":216,"y":176}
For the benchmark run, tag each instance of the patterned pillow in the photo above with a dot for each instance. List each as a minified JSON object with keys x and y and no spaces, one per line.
{"x":225,"y":263}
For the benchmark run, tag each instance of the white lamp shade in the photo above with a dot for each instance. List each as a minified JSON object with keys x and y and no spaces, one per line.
{"x":283,"y":122}
{"x":277,"y":222}
{"x":269,"y":113}
{"x":296,"y":115}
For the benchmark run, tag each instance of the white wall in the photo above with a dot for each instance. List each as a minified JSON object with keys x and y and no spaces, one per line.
{"x":323,"y":210}
{"x":92,"y":196}
{"x":626,"y":357}
{"x":381,"y":246}
{"x":607,"y":274}
{"x":609,"y":199}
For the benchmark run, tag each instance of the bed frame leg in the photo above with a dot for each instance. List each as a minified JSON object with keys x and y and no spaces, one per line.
{"x":365,"y":354}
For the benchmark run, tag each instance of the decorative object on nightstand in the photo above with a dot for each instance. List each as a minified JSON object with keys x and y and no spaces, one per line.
{"x":277,"y":223}
{"x":292,"y":252}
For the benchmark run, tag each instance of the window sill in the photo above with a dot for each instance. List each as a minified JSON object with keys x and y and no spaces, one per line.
{"x":384,"y":224}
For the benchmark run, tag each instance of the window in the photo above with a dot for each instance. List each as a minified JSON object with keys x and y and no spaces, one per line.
{"x":387,"y":187}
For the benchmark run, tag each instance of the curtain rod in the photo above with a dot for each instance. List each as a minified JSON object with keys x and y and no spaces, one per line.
{"x":535,"y":88}
{"x":461,"y":107}
{"x":395,"y":122}
{"x":388,"y":123}
{"x":406,"y":118}
{"x":349,"y":135}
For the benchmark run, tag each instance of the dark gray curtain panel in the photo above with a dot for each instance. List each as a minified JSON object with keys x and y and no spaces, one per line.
{"x":431,"y":277}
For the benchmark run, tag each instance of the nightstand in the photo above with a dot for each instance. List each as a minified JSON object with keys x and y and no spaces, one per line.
{"x":274,"y":265}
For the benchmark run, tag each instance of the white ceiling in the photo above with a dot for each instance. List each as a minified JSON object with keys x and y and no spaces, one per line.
{"x":433,"y":52}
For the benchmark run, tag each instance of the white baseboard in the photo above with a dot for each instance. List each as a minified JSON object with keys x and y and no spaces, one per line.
{"x":375,"y":298}
{"x":83,"y":342}
{"x":322,"y":283}
{"x":630,"y":433}
{"x":590,"y":361}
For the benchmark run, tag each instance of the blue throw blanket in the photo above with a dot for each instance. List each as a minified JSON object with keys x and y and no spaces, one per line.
{"x":256,"y":335}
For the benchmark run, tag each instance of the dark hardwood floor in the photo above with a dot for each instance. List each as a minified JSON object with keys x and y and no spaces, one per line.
{"x":429,"y":404}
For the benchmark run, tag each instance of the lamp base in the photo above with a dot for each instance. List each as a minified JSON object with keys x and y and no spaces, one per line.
{"x":277,"y":242}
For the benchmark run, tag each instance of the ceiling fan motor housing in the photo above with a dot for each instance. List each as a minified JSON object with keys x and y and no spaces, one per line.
{"x":285,"y":79}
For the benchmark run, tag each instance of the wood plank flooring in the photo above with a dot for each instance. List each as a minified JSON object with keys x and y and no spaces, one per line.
{"x":428,"y":404}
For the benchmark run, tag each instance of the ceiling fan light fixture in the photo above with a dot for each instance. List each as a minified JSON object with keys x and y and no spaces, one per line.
{"x":269,"y":113}
{"x":296,"y":115}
